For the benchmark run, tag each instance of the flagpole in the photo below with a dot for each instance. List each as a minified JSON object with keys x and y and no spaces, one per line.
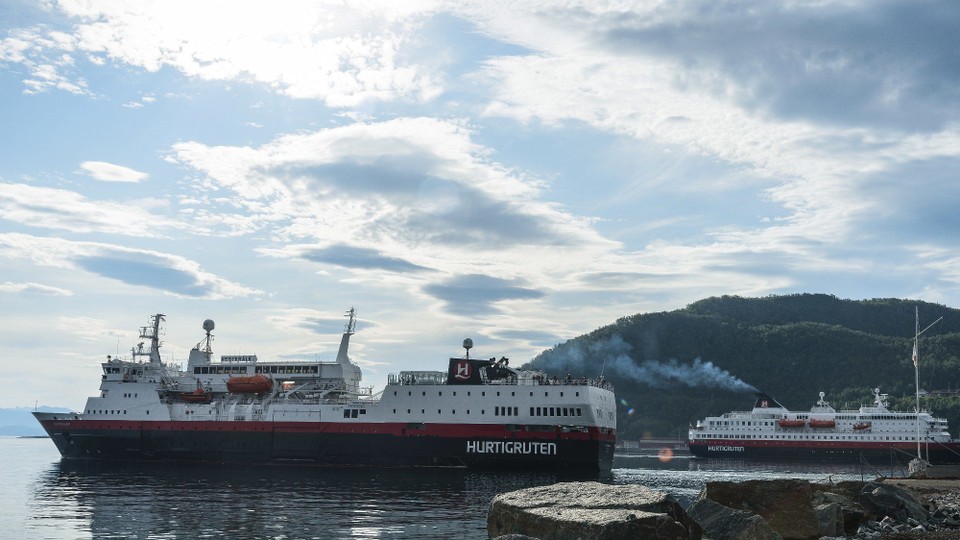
{"x":916,"y":369}
{"x":916,"y":374}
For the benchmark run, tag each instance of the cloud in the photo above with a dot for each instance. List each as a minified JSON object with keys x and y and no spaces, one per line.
{"x":171,"y":274}
{"x":478,"y":294}
{"x":817,"y":102}
{"x":408,"y":186}
{"x":344,"y":55}
{"x":47,"y":56}
{"x":312,"y":321}
{"x":108,"y":172}
{"x":359,"y":258}
{"x":886,"y":64}
{"x":37,"y":288}
{"x":62,"y":209}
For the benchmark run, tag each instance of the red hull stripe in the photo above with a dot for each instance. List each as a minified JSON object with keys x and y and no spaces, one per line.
{"x":398,"y":429}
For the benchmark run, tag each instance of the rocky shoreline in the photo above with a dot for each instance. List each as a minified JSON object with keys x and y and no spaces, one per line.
{"x":890,"y":509}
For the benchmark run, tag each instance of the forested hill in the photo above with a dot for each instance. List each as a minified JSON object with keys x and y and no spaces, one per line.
{"x":672,"y":368}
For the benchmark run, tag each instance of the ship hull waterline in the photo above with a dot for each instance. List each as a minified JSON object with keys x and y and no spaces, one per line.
{"x":877,"y":453}
{"x":324,"y":444}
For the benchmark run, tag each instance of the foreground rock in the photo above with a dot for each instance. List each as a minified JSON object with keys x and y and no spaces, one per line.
{"x":752,"y":510}
{"x":784,"y":504}
{"x":796,"y":509}
{"x":590,"y":510}
{"x":721,"y":522}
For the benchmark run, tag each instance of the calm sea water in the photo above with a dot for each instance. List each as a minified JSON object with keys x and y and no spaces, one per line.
{"x":42,"y":497}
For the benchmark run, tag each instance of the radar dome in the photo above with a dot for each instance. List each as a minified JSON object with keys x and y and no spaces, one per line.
{"x":468,"y":344}
{"x":208,"y":325}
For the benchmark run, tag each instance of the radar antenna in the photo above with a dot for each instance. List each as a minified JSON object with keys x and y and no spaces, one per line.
{"x":208,"y":327}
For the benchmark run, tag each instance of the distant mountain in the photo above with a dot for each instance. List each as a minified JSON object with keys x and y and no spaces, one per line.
{"x":19,"y":422}
{"x":672,"y":368}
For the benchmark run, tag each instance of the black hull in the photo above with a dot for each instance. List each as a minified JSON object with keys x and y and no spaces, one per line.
{"x":550,"y":452}
{"x":949,"y":454}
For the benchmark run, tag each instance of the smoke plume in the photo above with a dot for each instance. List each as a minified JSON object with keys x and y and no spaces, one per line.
{"x":613,"y":358}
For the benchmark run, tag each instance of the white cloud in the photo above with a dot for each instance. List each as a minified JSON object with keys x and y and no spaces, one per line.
{"x":713,"y":92}
{"x":67,"y":210}
{"x":172,"y":274}
{"x":342,"y":54}
{"x":109,"y":172}
{"x":30,"y":287}
{"x":417,"y":190}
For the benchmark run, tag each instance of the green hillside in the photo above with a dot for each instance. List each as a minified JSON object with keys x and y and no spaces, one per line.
{"x":673,"y":368}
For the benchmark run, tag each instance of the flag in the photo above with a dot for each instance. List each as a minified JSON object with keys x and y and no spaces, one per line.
{"x":916,"y":357}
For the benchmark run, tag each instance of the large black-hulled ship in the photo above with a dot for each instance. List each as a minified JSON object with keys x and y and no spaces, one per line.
{"x":479,"y":413}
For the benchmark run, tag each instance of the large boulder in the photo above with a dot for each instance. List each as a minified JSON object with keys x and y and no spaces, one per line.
{"x":827,"y":497}
{"x":885,"y":500}
{"x":786,"y":505}
{"x":590,"y":510}
{"x":722,"y":523}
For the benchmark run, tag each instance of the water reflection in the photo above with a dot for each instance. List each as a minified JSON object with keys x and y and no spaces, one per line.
{"x":169,"y":500}
{"x":141,"y":500}
{"x":684,"y":476}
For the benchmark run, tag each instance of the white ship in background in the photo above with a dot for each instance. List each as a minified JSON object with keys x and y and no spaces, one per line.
{"x":770,"y":431}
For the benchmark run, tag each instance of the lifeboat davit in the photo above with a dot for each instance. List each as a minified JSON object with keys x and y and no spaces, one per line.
{"x":256,"y":384}
{"x":823,"y":423}
{"x":197,"y":396}
{"x":790,"y":423}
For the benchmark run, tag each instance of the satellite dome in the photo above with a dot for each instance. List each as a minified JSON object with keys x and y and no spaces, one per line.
{"x":468,"y":344}
{"x":208,"y":325}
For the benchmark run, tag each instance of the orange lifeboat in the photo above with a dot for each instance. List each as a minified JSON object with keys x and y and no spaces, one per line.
{"x":824,"y":423}
{"x":790,"y":423}
{"x":197,"y":396}
{"x":256,"y":384}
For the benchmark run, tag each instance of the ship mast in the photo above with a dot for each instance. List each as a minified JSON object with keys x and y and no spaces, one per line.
{"x":152,"y":333}
{"x":916,"y":368}
{"x":347,"y":332}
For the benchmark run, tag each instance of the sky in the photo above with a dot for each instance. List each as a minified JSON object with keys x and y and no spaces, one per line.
{"x":518,"y":172}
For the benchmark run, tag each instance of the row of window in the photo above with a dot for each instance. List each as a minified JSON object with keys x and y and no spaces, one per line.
{"x":353,"y":413}
{"x":242,"y":370}
{"x":556,"y":411}
{"x":108,"y":411}
{"x":767,"y":424}
{"x":288,"y":369}
{"x":818,"y":438}
{"x":802,"y":417}
{"x":506,"y":411}
{"x":220,"y":370}
{"x":482,"y":393}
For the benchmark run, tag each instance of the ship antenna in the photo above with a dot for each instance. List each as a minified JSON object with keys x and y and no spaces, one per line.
{"x":208,"y":327}
{"x":916,"y":369}
{"x":152,"y":333}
